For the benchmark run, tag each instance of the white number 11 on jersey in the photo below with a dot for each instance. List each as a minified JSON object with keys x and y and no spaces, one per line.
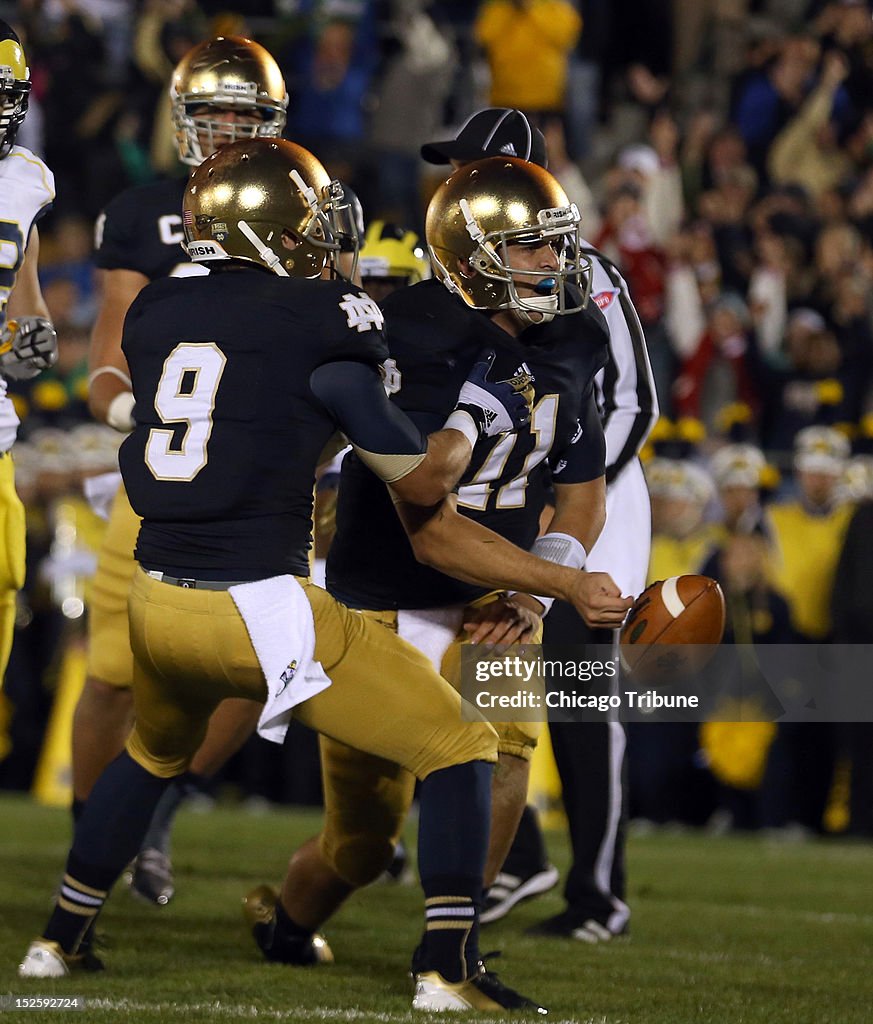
{"x":185,"y":395}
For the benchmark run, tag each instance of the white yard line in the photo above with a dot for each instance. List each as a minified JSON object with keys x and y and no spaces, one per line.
{"x":217,"y":1008}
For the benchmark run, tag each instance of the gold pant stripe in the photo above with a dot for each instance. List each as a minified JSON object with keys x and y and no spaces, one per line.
{"x":441,"y":926}
{"x":75,"y":908}
{"x":436,"y":901}
{"x":86,"y":889}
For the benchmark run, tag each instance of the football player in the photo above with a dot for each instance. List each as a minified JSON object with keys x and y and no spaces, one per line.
{"x":391,"y":257}
{"x":506,"y":247}
{"x":240,"y":381}
{"x":589,"y":755}
{"x":224,"y":89}
{"x":28,"y":343}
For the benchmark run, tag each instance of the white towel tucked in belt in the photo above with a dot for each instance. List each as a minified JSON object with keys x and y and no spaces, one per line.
{"x":431,"y":630}
{"x":279,"y":621}
{"x":100,"y":492}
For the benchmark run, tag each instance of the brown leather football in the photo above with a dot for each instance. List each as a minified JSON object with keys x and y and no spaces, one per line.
{"x":678,"y":611}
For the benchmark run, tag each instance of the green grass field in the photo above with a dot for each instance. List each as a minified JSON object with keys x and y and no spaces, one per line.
{"x":725,"y":931}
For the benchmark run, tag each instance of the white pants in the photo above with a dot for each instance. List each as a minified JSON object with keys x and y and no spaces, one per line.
{"x":623,"y":548}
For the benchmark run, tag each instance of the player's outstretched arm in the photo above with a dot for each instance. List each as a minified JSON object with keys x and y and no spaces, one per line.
{"x":446,"y":540}
{"x":110,"y":398}
{"x":579,"y":518}
{"x":421,"y":471}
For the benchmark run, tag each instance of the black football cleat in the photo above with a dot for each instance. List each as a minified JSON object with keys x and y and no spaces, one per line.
{"x":510,"y":890}
{"x":584,"y":927}
{"x":259,"y":910}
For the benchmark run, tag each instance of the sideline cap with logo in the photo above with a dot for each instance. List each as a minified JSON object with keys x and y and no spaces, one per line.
{"x":495,"y":131}
{"x":738,"y":465}
{"x":821,"y":450}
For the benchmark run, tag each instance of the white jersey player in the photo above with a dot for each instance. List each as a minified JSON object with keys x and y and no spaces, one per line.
{"x":27,"y":339}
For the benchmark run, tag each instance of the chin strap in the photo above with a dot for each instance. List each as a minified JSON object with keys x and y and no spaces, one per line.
{"x":273,"y":261}
{"x":544,"y":307}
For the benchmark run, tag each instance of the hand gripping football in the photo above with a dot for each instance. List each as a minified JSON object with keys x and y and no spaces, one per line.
{"x":683,"y":610}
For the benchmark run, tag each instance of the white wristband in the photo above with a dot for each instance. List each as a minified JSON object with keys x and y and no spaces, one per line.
{"x":463,"y":422}
{"x":562,"y":549}
{"x":119,"y":415}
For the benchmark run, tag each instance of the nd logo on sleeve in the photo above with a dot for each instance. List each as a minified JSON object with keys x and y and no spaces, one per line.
{"x":361,"y":312}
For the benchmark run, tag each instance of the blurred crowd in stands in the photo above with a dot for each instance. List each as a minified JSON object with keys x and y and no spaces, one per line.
{"x":722,"y":154}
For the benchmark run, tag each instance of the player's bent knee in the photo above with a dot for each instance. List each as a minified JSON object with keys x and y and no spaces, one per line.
{"x":471,"y":741}
{"x":518,"y":738}
{"x":360,"y":859}
{"x":108,"y":696}
{"x":163,"y":765}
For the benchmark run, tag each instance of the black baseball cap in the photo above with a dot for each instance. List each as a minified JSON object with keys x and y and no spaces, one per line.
{"x":495,"y":131}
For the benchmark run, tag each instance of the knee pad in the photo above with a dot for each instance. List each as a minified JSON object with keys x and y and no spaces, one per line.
{"x":359,"y":859}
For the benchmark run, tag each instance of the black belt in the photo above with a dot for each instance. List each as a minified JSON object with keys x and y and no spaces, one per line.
{"x":189,"y":584}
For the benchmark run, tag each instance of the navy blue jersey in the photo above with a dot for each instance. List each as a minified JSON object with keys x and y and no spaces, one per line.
{"x":220,"y":465}
{"x":141,"y":230}
{"x":434,"y":339}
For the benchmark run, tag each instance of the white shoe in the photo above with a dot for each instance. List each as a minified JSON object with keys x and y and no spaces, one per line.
{"x":508,"y":890}
{"x":43,"y":959}
{"x":592,"y":932}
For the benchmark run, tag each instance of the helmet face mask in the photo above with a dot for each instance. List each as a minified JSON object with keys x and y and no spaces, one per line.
{"x":478,"y":221}
{"x":226,"y":75}
{"x":14,"y":87}
{"x":265,"y":202}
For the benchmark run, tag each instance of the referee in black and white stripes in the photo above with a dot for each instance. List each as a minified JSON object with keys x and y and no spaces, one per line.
{"x":590,"y":755}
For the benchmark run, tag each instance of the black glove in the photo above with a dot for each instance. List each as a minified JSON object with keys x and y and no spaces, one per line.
{"x":496,"y":407}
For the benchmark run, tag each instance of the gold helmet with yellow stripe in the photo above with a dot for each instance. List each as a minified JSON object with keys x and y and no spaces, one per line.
{"x":14,"y":87}
{"x":393,"y":252}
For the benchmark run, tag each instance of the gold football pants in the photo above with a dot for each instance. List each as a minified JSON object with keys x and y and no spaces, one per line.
{"x":191,"y":650}
{"x":367,"y":799}
{"x":109,"y":656}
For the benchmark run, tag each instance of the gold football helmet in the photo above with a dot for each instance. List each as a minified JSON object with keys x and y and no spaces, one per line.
{"x":484,"y":209}
{"x":14,"y":87}
{"x":225,"y":73}
{"x":266,"y":201}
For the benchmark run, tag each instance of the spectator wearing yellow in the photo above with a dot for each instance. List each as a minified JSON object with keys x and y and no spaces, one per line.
{"x":680,"y":491}
{"x":738,"y":471}
{"x":808,"y":532}
{"x":528,"y":44}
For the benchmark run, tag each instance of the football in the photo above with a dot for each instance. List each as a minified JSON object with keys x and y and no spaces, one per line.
{"x":683,"y":610}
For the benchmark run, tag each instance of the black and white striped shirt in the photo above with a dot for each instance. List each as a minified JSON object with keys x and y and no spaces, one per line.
{"x":626,"y":392}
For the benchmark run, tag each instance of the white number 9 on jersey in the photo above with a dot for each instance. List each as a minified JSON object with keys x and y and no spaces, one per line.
{"x":185,"y":395}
